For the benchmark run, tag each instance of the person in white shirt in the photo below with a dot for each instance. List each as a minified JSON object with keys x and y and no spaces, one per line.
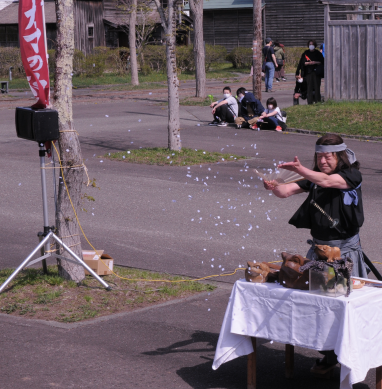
{"x":271,"y":118}
{"x":225,"y":110}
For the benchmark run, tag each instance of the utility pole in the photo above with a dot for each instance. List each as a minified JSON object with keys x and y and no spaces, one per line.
{"x":257,"y":47}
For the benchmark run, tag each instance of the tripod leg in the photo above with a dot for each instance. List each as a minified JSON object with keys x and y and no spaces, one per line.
{"x":27,"y":259}
{"x":44,"y":265}
{"x":81,"y":262}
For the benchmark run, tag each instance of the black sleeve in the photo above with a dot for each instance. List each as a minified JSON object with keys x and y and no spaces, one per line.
{"x":301,"y":65}
{"x":304,"y":184}
{"x":257,"y":108}
{"x":352,"y":176}
{"x":319,"y":57}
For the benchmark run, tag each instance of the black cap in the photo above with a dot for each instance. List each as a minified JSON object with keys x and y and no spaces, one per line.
{"x":267,"y":40}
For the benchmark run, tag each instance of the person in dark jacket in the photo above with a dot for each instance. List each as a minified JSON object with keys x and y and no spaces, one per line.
{"x":309,"y":61}
{"x":250,"y":109}
{"x":280,"y":59}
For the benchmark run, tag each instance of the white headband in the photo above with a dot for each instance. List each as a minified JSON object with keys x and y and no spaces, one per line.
{"x":336,"y":148}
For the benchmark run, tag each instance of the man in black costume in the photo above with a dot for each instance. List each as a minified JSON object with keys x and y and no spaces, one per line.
{"x":335,"y":185}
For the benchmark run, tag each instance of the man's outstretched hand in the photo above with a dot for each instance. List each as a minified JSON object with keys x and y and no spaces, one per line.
{"x":294,"y":166}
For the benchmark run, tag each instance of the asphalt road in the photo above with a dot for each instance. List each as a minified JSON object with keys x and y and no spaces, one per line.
{"x":159,"y":218}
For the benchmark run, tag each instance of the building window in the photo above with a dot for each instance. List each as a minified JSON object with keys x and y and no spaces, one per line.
{"x":90,"y":30}
{"x":9,"y":36}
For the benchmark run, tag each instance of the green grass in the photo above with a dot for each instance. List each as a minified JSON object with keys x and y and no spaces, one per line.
{"x":197,"y":101}
{"x":163,"y":156}
{"x":40,"y":296}
{"x":154,"y":80}
{"x":351,"y":118}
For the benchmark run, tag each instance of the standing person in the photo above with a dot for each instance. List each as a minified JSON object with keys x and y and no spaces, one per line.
{"x":335,"y":184}
{"x":250,"y":109}
{"x":280,"y":59}
{"x":309,"y":61}
{"x":270,"y":64}
{"x":225,"y":110}
{"x":271,"y":118}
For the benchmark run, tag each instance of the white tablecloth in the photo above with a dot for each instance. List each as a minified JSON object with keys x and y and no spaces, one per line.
{"x":351,"y":326}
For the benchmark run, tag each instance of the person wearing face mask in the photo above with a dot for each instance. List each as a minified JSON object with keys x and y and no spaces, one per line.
{"x":271,"y":118}
{"x":309,"y":61}
{"x":300,"y":90}
{"x":270,"y":64}
{"x":250,"y":109}
{"x":225,"y":110}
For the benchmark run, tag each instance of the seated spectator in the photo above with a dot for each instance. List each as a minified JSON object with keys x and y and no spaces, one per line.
{"x":250,"y":109}
{"x":271,"y":118}
{"x":300,"y":90}
{"x":225,"y":110}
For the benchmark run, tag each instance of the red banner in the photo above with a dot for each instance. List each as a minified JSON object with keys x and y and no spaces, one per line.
{"x":33,"y":49}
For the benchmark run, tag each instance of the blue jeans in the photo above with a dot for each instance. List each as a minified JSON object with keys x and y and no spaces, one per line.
{"x":269,"y":73}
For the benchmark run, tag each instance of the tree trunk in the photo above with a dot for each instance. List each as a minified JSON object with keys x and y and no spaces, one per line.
{"x":196,"y":7}
{"x":174,"y":142}
{"x":70,"y":151}
{"x":132,"y":44}
{"x":257,"y":47}
{"x":168,"y":23}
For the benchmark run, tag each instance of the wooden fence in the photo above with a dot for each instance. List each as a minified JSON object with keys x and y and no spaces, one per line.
{"x":353,"y":55}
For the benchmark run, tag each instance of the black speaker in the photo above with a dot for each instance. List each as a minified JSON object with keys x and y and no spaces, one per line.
{"x":39,"y":125}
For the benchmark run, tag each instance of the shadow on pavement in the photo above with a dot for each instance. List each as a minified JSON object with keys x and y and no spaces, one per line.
{"x":208,"y":339}
{"x":233,"y":374}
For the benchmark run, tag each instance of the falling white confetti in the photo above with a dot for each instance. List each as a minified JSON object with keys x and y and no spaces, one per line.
{"x":67,"y":150}
{"x":106,"y":116}
{"x":101,"y":160}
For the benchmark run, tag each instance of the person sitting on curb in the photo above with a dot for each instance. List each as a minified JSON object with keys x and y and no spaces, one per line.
{"x":225,"y":110}
{"x":271,"y":118}
{"x":300,"y":90}
{"x":250,"y":109}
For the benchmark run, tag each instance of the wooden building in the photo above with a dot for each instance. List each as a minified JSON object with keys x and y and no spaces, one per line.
{"x":89,"y":29}
{"x":116,"y":25}
{"x":9,"y":30}
{"x":293,"y":23}
{"x":97,"y":23}
{"x":353,"y":54}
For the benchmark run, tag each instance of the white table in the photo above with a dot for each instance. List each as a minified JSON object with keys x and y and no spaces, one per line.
{"x":351,"y":326}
